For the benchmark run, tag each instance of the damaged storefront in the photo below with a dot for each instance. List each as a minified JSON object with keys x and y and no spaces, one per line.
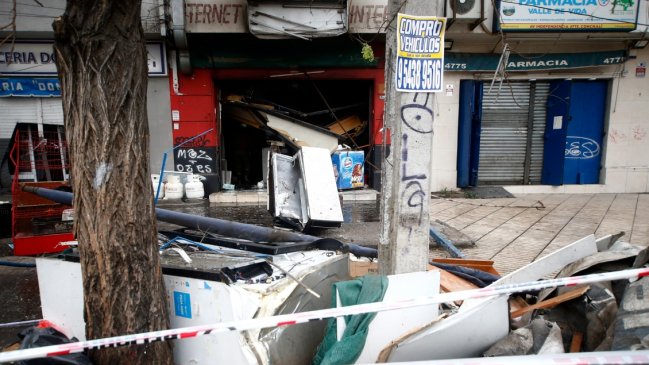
{"x":261,"y":78}
{"x":30,"y":98}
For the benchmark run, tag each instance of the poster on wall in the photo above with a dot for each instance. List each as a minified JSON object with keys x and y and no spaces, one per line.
{"x":420,"y":53}
{"x":568,"y":15}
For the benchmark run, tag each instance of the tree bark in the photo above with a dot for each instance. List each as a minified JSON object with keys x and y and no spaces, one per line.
{"x":102,"y":63}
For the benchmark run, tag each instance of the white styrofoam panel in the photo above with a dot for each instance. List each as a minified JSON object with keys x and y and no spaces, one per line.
{"x":302,"y":135}
{"x":390,"y":325}
{"x":61,"y":292}
{"x":323,"y":203}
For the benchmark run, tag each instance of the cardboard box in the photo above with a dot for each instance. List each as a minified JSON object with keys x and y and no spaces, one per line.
{"x":359,"y":268}
{"x":349,"y":169}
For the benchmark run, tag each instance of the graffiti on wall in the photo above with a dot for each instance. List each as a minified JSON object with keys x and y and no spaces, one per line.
{"x":200,"y":141}
{"x":417,"y":119}
{"x":195,"y":160}
{"x":581,"y":147}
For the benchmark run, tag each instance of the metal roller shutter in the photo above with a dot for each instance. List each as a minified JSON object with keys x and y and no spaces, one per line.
{"x":52,"y":111}
{"x":511,"y":139}
{"x":538,"y":131}
{"x":503,"y":137}
{"x":14,"y":110}
{"x":17,"y":110}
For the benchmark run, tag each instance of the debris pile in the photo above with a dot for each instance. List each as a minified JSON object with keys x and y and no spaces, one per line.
{"x":593,"y":318}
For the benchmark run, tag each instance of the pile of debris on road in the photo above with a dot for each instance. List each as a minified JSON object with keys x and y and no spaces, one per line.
{"x":263,"y":291}
{"x":472,"y":317}
{"x":596,"y":317}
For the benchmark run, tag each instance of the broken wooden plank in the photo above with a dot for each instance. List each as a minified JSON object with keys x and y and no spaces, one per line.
{"x":516,"y":303}
{"x":450,"y":282}
{"x":387,"y":350}
{"x":484,"y":265}
{"x":577,"y":339}
{"x":550,"y":303}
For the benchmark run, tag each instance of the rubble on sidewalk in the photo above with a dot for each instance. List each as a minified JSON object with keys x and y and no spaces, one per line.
{"x":236,"y":278}
{"x":569,"y":319}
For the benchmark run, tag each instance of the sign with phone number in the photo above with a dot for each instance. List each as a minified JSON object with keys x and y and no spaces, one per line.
{"x":420,"y":53}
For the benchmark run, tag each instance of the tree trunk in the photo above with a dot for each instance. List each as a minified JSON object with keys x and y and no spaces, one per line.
{"x":102,"y":64}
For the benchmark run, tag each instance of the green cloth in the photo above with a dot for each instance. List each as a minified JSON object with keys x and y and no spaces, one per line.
{"x":366,"y":289}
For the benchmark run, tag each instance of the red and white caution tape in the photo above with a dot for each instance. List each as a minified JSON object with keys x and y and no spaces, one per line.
{"x":581,"y":358}
{"x":303,"y":317}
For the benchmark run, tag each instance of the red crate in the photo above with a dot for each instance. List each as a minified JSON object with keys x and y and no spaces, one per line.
{"x":36,"y":222}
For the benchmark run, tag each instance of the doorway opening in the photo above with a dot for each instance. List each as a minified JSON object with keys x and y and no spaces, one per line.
{"x":339,"y":108}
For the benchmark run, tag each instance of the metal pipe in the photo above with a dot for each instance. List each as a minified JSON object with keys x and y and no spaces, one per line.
{"x":215,"y":225}
{"x":207,"y":224}
{"x":231,"y":229}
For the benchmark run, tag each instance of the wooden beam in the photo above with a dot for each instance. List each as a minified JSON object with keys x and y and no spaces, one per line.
{"x":550,"y":303}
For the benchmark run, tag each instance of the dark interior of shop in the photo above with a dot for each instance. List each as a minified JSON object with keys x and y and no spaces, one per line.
{"x":321,"y":103}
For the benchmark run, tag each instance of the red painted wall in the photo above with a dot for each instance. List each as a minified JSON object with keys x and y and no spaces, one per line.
{"x":193,"y":112}
{"x":194,"y":103}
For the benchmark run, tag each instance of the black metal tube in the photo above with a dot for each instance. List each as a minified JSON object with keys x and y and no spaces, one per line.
{"x":212,"y":225}
{"x":231,"y":229}
{"x":62,"y":197}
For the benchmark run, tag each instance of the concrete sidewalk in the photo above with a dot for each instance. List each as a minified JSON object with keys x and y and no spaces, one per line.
{"x":516,"y":231}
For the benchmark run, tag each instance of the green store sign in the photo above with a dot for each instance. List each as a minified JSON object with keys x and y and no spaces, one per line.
{"x":555,"y":61}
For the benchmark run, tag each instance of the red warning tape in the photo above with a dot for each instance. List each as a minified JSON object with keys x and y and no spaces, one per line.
{"x":303,"y":317}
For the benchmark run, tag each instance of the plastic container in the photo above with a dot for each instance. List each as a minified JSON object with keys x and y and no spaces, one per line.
{"x":155,"y":180}
{"x":194,"y":187}
{"x":67,"y":215}
{"x":349,"y":169}
{"x":174,"y":188}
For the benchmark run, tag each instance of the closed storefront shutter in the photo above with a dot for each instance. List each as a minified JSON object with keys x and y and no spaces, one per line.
{"x":503,"y":138}
{"x":17,"y":110}
{"x":511,"y":137}
{"x":52,"y":111}
{"x":28,"y":110}
{"x":538,"y":131}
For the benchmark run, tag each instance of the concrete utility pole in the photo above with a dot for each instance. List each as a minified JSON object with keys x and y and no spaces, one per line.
{"x":407,"y":169}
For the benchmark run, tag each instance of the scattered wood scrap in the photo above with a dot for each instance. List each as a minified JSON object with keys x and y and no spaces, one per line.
{"x":484,"y":265}
{"x":577,"y":339}
{"x":551,"y":303}
{"x":450,"y":282}
{"x":516,"y":304}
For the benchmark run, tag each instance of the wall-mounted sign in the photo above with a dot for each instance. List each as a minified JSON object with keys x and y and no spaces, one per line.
{"x":420,"y":53}
{"x":568,"y":15}
{"x":216,"y":16}
{"x":30,"y":86}
{"x":156,"y":59}
{"x":229,"y":16}
{"x":37,"y":58}
{"x":548,"y":61}
{"x":368,"y":16}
